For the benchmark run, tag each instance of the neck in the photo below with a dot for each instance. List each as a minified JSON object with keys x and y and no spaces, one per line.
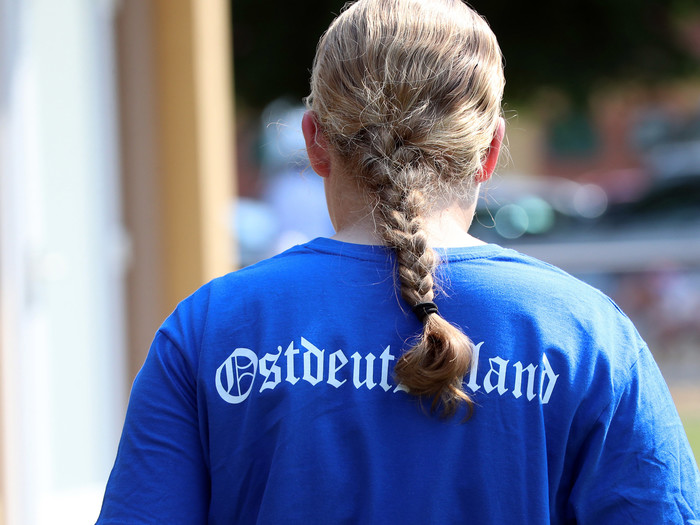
{"x":445,"y":228}
{"x":446,"y":223}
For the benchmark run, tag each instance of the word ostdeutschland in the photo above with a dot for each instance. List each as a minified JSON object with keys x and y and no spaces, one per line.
{"x":244,"y":371}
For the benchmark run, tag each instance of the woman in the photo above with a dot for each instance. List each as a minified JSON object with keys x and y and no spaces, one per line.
{"x":492,"y":389}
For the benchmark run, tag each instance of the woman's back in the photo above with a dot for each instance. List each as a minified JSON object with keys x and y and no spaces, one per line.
{"x":279,"y":393}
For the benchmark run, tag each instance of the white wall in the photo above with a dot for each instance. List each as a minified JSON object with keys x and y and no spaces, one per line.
{"x":62,"y":258}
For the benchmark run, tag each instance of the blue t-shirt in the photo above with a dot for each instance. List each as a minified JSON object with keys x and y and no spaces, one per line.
{"x":268,"y":397}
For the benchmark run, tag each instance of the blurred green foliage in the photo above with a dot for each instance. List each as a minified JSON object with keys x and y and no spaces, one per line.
{"x":574,"y":46}
{"x":579,"y":45}
{"x":274,"y":43}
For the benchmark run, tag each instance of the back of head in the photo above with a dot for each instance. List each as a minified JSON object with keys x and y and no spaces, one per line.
{"x":399,"y":83}
{"x":408,"y":94}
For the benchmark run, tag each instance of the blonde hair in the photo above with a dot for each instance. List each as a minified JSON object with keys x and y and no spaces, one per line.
{"x":408,"y":93}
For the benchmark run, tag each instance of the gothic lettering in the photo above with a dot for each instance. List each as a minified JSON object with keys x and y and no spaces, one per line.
{"x":333,"y":368}
{"x":517,"y":389}
{"x":273,"y":369}
{"x":548,"y":376}
{"x":290,"y":353}
{"x":386,"y":358}
{"x":500,"y":374}
{"x":473,"y":385}
{"x":369,"y":371}
{"x":238,"y":373}
{"x":312,"y":352}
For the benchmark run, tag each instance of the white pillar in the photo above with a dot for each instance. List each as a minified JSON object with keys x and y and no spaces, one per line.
{"x":63,"y":257}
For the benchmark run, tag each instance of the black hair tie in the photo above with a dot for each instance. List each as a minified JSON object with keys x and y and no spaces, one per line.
{"x":422,"y":310}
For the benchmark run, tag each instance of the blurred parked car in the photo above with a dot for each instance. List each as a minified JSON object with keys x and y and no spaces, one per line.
{"x":573,"y":225}
{"x":672,"y":200}
{"x":529,"y":207}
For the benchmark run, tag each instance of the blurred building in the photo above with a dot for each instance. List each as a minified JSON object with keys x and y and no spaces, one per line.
{"x":115,"y":189}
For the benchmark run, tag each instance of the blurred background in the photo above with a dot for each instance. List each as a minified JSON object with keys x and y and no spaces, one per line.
{"x":147,"y":146}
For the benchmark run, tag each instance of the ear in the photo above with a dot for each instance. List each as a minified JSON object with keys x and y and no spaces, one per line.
{"x":489,"y":165}
{"x":316,"y":145}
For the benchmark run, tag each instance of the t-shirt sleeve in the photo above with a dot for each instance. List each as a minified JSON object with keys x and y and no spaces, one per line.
{"x":636,"y":465}
{"x":160,"y":475}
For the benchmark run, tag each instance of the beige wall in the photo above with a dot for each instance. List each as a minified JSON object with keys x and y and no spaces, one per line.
{"x":177,"y":151}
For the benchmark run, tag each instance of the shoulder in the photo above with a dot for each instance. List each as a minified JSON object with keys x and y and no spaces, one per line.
{"x":288,"y":281}
{"x":514,"y":283}
{"x":521,"y":306}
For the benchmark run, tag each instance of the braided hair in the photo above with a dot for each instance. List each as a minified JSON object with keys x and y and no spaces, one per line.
{"x":408,"y":93}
